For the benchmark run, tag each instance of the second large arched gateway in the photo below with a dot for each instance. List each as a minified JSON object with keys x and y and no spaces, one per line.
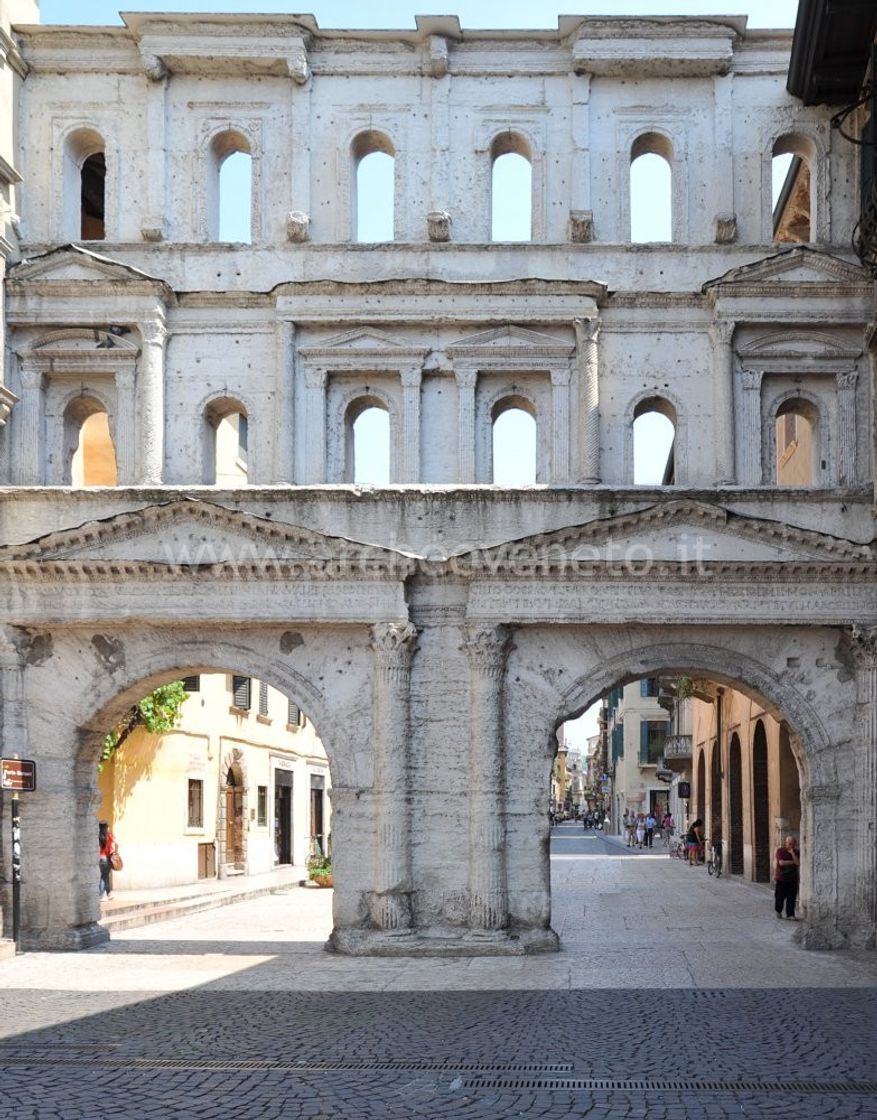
{"x":439,"y":826}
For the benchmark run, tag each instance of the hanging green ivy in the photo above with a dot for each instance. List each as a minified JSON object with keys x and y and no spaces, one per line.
{"x":158,"y":712}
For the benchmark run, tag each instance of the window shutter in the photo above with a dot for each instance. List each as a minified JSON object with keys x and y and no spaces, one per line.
{"x":293,"y":715}
{"x":192,"y":684}
{"x":644,"y":741}
{"x":263,"y":698}
{"x":241,"y":689}
{"x":643,"y":687}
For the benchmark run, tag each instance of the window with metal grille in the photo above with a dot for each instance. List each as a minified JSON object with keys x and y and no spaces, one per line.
{"x":240,"y":687}
{"x":196,"y":803}
{"x":192,"y":684}
{"x":293,"y":715}
{"x":263,"y":698}
{"x":261,"y":805}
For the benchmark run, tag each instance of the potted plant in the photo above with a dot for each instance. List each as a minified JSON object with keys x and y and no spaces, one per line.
{"x":320,"y":870}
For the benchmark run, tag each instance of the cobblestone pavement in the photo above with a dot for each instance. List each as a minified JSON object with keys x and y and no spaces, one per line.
{"x":674,"y":997}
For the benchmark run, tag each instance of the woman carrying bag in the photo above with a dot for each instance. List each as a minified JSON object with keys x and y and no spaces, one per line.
{"x":108,"y":858}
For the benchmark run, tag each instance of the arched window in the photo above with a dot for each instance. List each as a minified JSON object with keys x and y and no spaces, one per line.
{"x":511,"y":193}
{"x":230,"y":189}
{"x":374,"y":172}
{"x":654,"y":439}
{"x":797,"y":444}
{"x":227,"y":444}
{"x":514,"y":442}
{"x":651,"y":189}
{"x":92,"y":454}
{"x":367,"y":442}
{"x":792,"y":189}
{"x":85,"y":173}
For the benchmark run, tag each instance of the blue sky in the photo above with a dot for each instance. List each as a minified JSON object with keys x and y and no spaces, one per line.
{"x":400,"y":13}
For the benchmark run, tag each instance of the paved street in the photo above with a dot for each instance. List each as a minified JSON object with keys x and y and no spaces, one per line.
{"x":674,"y":995}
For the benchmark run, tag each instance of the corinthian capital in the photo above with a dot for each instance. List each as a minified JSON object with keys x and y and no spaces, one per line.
{"x":863,"y":643}
{"x":153,"y":332}
{"x":487,"y":646}
{"x":394,"y":643}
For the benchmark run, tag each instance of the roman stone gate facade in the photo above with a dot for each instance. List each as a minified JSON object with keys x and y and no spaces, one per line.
{"x":438,"y":628}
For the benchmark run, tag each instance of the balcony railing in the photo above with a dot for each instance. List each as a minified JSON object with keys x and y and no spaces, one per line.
{"x":677,"y":752}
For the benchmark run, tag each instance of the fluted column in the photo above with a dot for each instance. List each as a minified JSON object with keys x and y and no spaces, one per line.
{"x":126,"y":413}
{"x":487,"y":648}
{"x":315,"y":441}
{"x":284,"y":400}
{"x":587,"y":334}
{"x":721,"y":337}
{"x":466,"y":381}
{"x":411,"y":379}
{"x":560,"y":379}
{"x":29,"y":445}
{"x":393,"y":645}
{"x":846,"y":426}
{"x":150,"y":403}
{"x":863,"y":641}
{"x":750,"y":427}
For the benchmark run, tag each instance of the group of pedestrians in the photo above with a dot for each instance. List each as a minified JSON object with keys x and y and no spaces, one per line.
{"x":640,"y":828}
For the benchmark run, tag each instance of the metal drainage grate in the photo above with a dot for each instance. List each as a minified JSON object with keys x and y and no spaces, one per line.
{"x":231,"y":1065}
{"x":590,"y":1085}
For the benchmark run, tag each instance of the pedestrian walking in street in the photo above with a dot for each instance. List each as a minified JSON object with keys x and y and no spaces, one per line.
{"x":694,"y":841}
{"x":667,"y":824}
{"x":106,"y":847}
{"x":651,"y":825}
{"x":787,"y":862}
{"x":640,"y":830}
{"x":630,"y":829}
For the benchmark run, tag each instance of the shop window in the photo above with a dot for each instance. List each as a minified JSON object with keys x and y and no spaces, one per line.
{"x":196,"y":803}
{"x":513,"y":438}
{"x":511,"y":194}
{"x":374,"y":174}
{"x":651,"y":189}
{"x":654,"y":443}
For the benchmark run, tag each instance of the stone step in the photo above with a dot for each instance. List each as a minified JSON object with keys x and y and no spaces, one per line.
{"x":145,"y":913}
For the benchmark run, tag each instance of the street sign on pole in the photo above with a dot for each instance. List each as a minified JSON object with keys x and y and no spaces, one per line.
{"x":18,"y":774}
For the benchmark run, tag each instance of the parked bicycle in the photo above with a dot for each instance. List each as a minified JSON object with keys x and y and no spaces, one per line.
{"x":714,"y":863}
{"x":676,"y":848}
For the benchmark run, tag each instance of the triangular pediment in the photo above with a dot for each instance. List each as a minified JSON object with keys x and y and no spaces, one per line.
{"x":363,"y":339}
{"x":80,"y":340}
{"x":801,"y":265}
{"x":192,"y":534}
{"x":799,"y":342}
{"x":683,"y":531}
{"x":503,"y":339}
{"x":72,"y":263}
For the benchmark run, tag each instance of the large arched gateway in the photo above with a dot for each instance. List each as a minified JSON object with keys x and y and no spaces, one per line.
{"x":436,"y":685}
{"x":438,"y":629}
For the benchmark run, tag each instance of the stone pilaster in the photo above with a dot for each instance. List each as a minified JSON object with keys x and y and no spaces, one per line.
{"x":27,"y":465}
{"x":487,"y":648}
{"x":315,"y":414}
{"x":150,"y":403}
{"x":721,"y":337}
{"x":13,"y":728}
{"x":863,"y":642}
{"x":560,"y":379}
{"x":587,"y":333}
{"x":846,"y":426}
{"x":284,"y":400}
{"x":411,"y":380}
{"x":126,"y":413}
{"x":871,"y":343}
{"x":819,"y":896}
{"x":393,"y":645}
{"x":153,"y":226}
{"x":466,"y":379}
{"x":750,"y":427}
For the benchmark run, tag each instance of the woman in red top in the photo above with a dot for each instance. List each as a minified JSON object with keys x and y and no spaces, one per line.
{"x":107,"y":845}
{"x":786,"y":865}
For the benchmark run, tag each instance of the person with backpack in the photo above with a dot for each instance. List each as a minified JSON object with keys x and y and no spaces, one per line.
{"x":106,"y":848}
